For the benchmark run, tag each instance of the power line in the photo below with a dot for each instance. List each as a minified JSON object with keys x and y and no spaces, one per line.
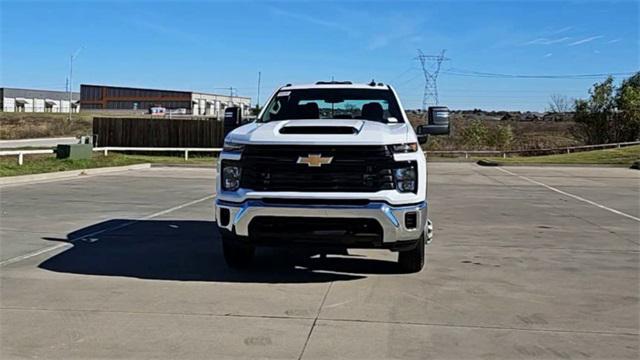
{"x":397,"y":77}
{"x":430,"y":69}
{"x":471,"y":73}
{"x":473,"y":92}
{"x":411,"y":79}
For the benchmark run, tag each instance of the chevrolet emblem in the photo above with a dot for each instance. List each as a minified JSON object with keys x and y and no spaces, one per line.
{"x":314,"y":160}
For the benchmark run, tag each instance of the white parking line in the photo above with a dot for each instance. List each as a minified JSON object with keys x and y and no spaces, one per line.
{"x":113,"y":228}
{"x":570,"y":195}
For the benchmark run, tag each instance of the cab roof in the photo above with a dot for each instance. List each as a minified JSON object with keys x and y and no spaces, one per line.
{"x":336,"y":85}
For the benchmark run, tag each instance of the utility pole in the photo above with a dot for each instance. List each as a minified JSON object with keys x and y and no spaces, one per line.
{"x":73,"y":56}
{"x":231,"y":95}
{"x":430,"y":68}
{"x":70,"y":90}
{"x":258,"y":97}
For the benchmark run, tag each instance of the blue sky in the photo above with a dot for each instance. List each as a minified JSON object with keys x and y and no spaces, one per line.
{"x":209,"y":45}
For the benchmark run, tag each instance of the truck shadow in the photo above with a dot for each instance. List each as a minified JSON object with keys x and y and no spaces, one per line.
{"x":187,"y":250}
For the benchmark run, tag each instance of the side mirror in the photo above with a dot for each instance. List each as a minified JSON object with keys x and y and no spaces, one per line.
{"x":437,"y":124}
{"x":232,"y":119}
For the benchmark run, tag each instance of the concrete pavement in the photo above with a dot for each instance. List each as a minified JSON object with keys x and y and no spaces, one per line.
{"x":129,"y":265}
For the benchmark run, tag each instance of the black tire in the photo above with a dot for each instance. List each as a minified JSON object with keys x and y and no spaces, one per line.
{"x":412,"y":261}
{"x":236,"y":254}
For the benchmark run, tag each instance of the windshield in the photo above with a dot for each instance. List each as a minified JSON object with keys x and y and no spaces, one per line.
{"x":370,"y":104}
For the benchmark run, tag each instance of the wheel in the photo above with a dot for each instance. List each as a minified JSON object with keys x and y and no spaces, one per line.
{"x":236,"y":254}
{"x":412,"y":261}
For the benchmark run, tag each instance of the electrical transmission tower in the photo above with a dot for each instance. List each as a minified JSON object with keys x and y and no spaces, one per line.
{"x":431,"y":69}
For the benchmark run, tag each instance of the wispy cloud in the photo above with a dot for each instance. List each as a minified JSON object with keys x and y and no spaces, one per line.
{"x":561,"y":30}
{"x":388,"y":37}
{"x":547,"y":41}
{"x":313,"y":20}
{"x":614,"y":41}
{"x":401,"y":27}
{"x":548,"y":55}
{"x":165,"y":30}
{"x":586,"y":40}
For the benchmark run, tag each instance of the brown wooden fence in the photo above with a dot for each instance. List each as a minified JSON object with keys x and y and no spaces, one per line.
{"x":134,"y":132}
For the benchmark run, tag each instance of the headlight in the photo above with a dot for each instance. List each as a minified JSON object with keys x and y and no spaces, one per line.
{"x":231,"y":177}
{"x":404,"y":148}
{"x":230,"y":146}
{"x":405,"y":179}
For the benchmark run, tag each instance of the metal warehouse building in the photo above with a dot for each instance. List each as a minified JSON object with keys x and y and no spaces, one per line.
{"x":125,"y":99}
{"x":29,"y":100}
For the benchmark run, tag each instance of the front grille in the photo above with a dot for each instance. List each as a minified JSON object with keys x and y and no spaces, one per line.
{"x":352,"y":169}
{"x":330,"y":202}
{"x":319,"y":230}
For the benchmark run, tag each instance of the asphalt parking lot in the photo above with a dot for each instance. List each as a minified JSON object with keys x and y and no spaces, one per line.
{"x":527,"y":262}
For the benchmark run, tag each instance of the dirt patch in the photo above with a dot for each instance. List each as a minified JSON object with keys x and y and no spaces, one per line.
{"x":525,"y":135}
{"x":40,"y":125}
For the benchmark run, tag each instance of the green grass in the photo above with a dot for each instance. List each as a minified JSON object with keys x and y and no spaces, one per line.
{"x":174,"y":160}
{"x":622,"y":156}
{"x":37,"y":164}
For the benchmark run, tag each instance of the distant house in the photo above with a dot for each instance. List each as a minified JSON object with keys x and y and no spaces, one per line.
{"x":507,"y":117}
{"x":530,"y":116}
{"x":554,"y":116}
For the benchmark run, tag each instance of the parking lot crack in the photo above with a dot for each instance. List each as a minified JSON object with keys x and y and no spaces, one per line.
{"x":315,"y":320}
{"x":484,"y":327}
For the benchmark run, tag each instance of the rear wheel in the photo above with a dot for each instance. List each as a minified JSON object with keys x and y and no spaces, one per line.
{"x":412,"y":261}
{"x":236,"y":254}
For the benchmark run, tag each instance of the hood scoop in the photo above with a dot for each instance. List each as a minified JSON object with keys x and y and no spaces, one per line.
{"x":319,"y":130}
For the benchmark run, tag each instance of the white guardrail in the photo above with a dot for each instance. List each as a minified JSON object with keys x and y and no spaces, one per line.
{"x":504,"y":153}
{"x":105,"y":150}
{"x":22,"y":153}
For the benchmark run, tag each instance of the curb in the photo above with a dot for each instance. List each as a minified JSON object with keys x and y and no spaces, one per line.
{"x":492,"y":163}
{"x":433,"y":159}
{"x":22,"y":179}
{"x":194,"y":166}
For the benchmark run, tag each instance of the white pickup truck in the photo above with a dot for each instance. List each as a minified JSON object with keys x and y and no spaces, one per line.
{"x":332,"y":164}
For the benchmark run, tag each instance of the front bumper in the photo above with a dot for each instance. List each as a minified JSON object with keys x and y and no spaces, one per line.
{"x":390,"y":217}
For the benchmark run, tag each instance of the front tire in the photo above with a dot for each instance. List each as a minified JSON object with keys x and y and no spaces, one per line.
{"x":236,"y":254}
{"x":412,"y":261}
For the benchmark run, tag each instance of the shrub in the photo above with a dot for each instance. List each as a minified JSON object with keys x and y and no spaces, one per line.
{"x":475,"y":134}
{"x":501,"y":137}
{"x":610,"y":114}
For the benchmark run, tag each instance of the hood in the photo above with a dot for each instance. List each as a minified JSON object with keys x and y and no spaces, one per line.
{"x":324,"y":131}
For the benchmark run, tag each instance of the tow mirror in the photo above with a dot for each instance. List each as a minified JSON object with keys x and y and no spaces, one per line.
{"x":232,"y":119}
{"x":437,"y":123}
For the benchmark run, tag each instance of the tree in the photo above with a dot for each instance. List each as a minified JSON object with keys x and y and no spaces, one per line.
{"x":502,"y":137}
{"x":475,"y":134}
{"x":628,"y":104}
{"x":593,"y":116}
{"x":559,"y":104}
{"x":610,"y":115}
